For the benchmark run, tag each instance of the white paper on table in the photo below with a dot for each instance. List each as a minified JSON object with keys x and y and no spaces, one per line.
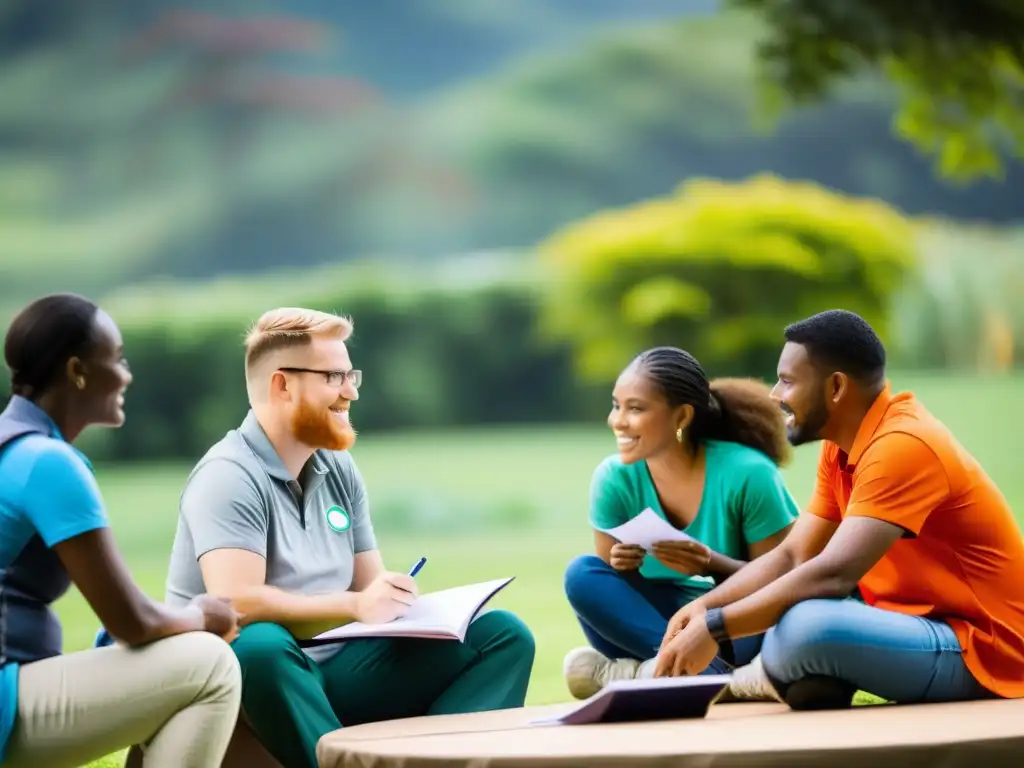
{"x":645,"y":529}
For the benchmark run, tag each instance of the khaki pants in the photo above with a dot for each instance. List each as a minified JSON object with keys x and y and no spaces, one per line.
{"x":244,"y":751}
{"x":178,"y":698}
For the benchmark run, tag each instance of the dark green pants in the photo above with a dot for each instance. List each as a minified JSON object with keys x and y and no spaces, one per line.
{"x":291,"y":701}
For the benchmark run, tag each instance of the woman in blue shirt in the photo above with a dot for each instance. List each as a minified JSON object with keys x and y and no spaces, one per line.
{"x":171,"y":684}
{"x":703,"y":457}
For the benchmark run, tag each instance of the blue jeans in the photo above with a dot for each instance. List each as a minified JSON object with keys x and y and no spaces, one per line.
{"x":624,"y":615}
{"x":904,"y":659}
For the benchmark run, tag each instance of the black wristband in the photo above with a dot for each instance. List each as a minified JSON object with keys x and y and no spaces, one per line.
{"x":716,"y":625}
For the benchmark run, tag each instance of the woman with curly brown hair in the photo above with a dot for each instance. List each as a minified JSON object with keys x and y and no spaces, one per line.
{"x":705,"y":457}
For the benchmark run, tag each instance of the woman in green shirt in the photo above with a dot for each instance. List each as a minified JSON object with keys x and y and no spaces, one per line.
{"x":705,"y":457}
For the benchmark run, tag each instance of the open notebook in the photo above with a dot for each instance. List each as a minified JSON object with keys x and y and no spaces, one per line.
{"x":443,"y":615}
{"x":662,"y":698}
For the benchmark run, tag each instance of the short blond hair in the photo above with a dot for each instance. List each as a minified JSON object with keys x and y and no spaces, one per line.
{"x":287,"y":328}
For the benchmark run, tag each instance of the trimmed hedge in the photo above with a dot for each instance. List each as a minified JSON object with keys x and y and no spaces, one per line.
{"x":717,"y":268}
{"x":438,"y":349}
{"x":720,"y":268}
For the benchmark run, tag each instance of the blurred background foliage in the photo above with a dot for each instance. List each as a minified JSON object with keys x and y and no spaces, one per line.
{"x":720,"y":268}
{"x":510,"y":201}
{"x":959,"y":68}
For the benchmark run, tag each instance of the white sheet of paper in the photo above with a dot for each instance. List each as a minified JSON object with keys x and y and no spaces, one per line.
{"x":645,"y":529}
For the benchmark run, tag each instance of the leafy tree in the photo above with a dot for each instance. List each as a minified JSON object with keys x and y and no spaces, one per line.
{"x":959,"y":65}
{"x":553,"y":138}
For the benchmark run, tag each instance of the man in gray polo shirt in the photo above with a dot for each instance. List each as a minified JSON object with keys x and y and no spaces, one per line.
{"x":275,"y":516}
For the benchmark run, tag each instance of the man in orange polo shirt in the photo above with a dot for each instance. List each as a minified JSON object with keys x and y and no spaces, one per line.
{"x":901,"y":511}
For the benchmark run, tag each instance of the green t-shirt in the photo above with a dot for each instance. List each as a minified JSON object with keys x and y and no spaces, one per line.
{"x":745,"y":500}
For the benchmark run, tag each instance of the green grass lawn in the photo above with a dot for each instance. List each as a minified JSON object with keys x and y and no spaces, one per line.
{"x":483,"y":504}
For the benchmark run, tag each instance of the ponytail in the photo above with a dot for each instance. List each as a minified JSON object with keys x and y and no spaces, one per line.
{"x":732,"y":410}
{"x":742,"y":411}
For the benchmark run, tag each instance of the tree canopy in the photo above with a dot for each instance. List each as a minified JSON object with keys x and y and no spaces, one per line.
{"x":959,"y":66}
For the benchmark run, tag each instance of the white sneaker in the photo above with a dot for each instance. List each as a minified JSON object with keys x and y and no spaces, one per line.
{"x":750,"y":683}
{"x":586,"y":671}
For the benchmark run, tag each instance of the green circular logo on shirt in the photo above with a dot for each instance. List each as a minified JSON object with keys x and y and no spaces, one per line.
{"x":338,"y":519}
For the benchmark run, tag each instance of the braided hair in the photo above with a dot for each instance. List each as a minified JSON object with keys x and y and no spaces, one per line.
{"x":729,"y":409}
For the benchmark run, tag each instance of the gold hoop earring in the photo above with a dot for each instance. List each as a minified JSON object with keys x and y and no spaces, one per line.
{"x":80,"y":382}
{"x":679,"y":434}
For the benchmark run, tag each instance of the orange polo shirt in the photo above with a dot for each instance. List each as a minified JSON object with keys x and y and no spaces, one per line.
{"x":962,"y":559}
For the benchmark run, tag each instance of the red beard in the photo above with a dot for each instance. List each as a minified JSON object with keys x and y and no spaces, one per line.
{"x":320,"y":428}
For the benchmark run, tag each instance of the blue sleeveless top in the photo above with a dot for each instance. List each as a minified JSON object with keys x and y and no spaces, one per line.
{"x":47,"y":494}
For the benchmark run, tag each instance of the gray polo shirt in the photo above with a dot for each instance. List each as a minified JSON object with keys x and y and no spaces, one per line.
{"x":241,"y":496}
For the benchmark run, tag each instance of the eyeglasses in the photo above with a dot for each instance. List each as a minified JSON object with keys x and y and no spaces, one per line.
{"x":334,"y":378}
